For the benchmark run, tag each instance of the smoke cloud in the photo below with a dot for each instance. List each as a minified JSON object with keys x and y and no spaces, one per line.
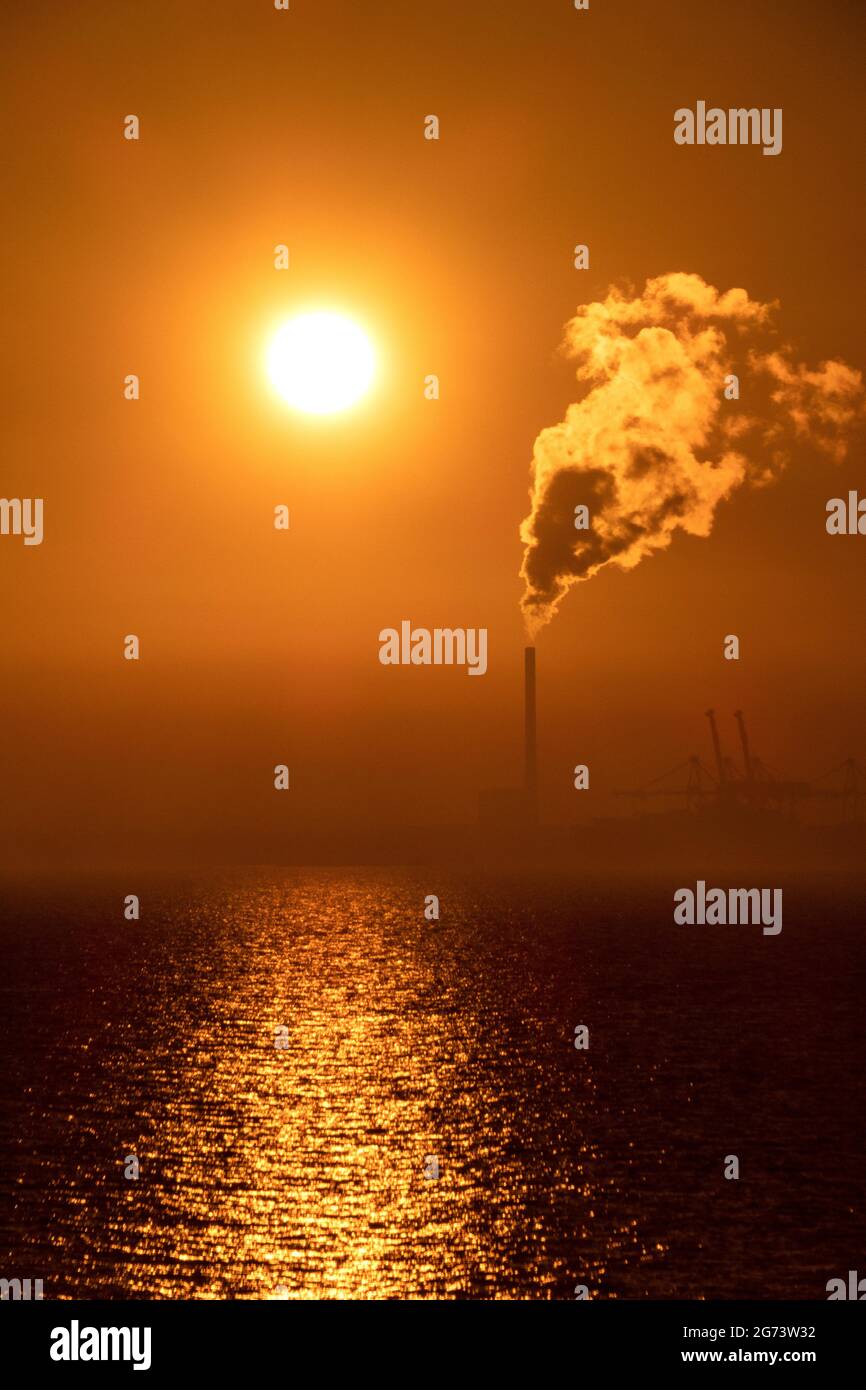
{"x":653,"y":446}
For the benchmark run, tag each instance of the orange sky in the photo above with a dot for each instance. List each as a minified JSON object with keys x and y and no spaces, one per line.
{"x":259,"y":647}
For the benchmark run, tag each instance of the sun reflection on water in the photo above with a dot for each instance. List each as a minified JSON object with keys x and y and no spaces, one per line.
{"x":298,"y":1171}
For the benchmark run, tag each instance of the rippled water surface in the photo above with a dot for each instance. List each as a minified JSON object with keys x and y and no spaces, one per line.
{"x":300,"y":1169}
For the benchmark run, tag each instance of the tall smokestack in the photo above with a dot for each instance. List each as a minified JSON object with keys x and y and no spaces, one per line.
{"x":531,"y":763}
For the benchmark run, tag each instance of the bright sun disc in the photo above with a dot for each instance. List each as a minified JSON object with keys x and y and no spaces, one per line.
{"x":321,"y":362}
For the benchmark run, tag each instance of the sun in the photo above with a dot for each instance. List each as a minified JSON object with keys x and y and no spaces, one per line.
{"x":321,"y":362}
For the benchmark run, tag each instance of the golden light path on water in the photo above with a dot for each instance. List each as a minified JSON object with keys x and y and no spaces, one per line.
{"x":298,"y":1172}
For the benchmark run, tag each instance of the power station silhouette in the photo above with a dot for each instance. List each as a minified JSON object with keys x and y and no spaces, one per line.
{"x":733,"y":794}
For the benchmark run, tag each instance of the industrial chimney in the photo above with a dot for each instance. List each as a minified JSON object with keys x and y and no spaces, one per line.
{"x":530,"y":780}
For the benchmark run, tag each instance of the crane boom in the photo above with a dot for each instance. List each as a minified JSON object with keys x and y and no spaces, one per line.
{"x":744,"y":741}
{"x":717,"y":749}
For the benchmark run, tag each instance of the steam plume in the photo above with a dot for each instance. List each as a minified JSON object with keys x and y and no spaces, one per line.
{"x":653,"y":446}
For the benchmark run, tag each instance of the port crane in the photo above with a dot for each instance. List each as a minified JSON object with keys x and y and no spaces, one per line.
{"x":751,"y":782}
